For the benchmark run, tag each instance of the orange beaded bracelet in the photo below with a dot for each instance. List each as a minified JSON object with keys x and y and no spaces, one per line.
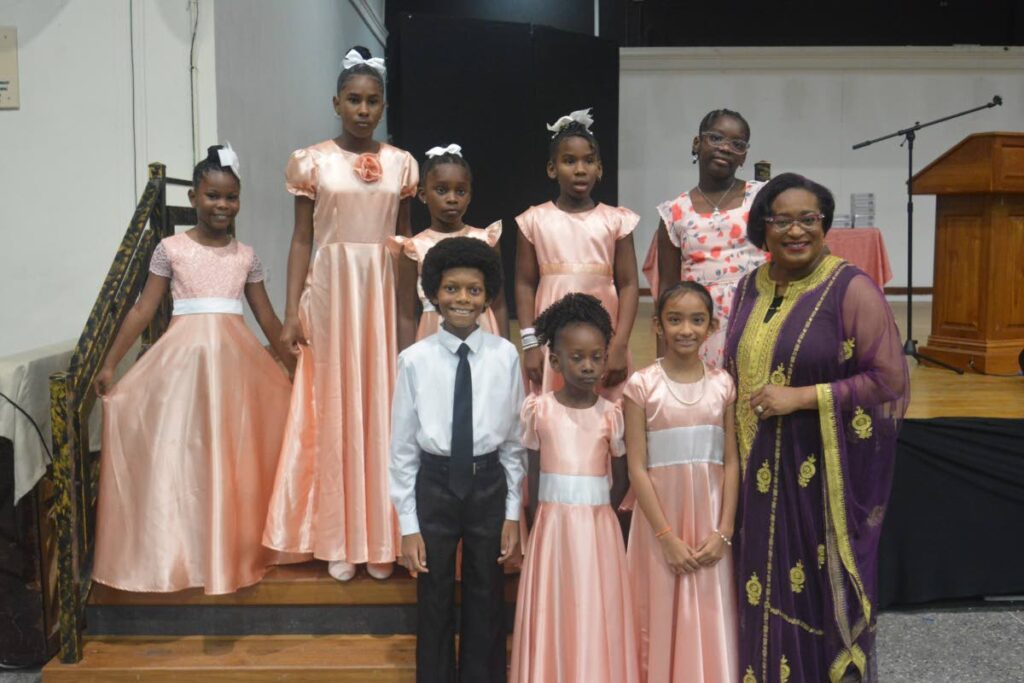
{"x":663,"y":532}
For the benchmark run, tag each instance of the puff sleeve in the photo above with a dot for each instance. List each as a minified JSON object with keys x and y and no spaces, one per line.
{"x":671,"y":213}
{"x":527,"y":224}
{"x":257,"y":273}
{"x":729,"y":393}
{"x":410,"y":177}
{"x":635,"y":390}
{"x":493,"y":234}
{"x":628,"y":220}
{"x":160,"y":263}
{"x":301,"y":175}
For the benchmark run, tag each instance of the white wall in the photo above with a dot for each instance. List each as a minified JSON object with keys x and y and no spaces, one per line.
{"x":806,"y":108}
{"x":74,"y":154}
{"x":277,"y":66}
{"x":105,"y":90}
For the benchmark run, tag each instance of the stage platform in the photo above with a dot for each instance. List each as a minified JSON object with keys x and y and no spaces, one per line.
{"x":958,"y":495}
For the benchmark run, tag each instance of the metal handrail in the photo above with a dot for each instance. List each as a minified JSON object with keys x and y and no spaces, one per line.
{"x":74,"y":475}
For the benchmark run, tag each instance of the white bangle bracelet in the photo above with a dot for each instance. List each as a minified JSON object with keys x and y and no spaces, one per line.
{"x":527,"y":331}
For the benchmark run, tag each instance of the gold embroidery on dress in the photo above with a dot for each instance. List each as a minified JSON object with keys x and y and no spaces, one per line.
{"x":807,"y":470}
{"x":749,"y":677}
{"x":764,"y":477}
{"x":855,"y":655}
{"x":861,"y":423}
{"x":784,"y":669}
{"x":757,"y":345}
{"x":835,"y":503}
{"x":821,"y":556}
{"x":876,"y":515}
{"x":796,"y":622}
{"x":778,"y":376}
{"x":848,"y":346}
{"x":797,"y":577}
{"x":754,"y":589}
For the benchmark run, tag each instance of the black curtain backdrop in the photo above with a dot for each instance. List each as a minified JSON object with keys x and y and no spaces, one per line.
{"x":955,"y":521}
{"x":491,"y":87}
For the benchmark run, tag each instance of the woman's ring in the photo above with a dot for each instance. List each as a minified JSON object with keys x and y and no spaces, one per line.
{"x":759,"y":409}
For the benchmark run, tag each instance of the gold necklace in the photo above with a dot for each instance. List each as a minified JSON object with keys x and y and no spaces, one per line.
{"x":669,"y":382}
{"x":721,"y":200}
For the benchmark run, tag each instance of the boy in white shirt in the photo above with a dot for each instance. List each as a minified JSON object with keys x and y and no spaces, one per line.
{"x":457,"y":466}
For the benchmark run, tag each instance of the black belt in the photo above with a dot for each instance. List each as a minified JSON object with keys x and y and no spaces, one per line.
{"x":441,"y":463}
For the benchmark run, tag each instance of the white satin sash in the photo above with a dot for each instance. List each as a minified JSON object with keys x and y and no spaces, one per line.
{"x":573,"y":489}
{"x":211,"y":304}
{"x":685,"y":445}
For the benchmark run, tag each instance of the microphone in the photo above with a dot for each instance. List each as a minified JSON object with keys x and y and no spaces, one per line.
{"x":997,"y":101}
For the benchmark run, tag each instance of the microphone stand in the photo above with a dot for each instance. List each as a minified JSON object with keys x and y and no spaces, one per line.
{"x":909,"y":135}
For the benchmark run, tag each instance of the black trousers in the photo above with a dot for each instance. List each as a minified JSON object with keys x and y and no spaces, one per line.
{"x":477,"y":521}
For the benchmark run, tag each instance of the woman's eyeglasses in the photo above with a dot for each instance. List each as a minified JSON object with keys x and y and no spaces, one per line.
{"x":807,"y":221}
{"x":738,"y":145}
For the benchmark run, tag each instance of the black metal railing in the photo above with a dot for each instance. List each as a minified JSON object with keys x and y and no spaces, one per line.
{"x":75,"y":472}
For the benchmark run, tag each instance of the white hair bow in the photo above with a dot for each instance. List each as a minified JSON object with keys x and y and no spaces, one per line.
{"x":353,"y":58}
{"x":580,"y":116}
{"x":440,"y":151}
{"x":228,"y":157}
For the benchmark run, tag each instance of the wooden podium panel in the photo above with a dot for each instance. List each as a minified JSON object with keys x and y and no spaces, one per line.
{"x":978,"y":293}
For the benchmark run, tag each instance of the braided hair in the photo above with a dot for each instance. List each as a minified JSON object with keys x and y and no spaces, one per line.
{"x":574,"y":129}
{"x":447,"y":158}
{"x":211,"y":163}
{"x":712,"y":116}
{"x":360,"y":70}
{"x":574,"y":308}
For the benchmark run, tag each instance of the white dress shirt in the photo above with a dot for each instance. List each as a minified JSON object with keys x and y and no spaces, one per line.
{"x":421,"y":413}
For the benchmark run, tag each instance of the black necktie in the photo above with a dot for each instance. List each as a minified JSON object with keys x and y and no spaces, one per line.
{"x":460,"y":476}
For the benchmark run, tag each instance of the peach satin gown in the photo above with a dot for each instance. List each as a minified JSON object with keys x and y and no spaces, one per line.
{"x":191,"y":436}
{"x":331,"y":492}
{"x":574,"y":614}
{"x":576,"y":253}
{"x":686,"y":624}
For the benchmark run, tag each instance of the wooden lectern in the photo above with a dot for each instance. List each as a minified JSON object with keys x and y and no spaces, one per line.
{"x":978,"y":295}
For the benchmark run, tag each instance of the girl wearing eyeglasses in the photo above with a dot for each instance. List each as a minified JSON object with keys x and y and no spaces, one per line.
{"x":702,"y":235}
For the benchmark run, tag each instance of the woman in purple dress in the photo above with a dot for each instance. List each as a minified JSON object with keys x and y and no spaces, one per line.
{"x":822,"y":388}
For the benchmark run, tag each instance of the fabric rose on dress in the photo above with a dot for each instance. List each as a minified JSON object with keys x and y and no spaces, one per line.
{"x":367,"y":168}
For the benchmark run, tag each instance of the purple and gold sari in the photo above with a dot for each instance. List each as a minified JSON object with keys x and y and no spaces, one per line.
{"x":814,"y":483}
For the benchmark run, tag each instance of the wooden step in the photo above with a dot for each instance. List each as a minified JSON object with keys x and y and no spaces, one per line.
{"x":339,"y":659}
{"x":299,"y":584}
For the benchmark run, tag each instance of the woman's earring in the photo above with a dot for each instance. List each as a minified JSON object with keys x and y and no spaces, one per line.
{"x":337,"y":115}
{"x":694,"y":157}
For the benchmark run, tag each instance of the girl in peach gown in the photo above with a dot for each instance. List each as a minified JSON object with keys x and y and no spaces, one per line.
{"x":331,"y":493}
{"x":446,"y":189}
{"x":574,"y":615}
{"x":684,"y":469}
{"x":575,"y":245}
{"x":191,"y":433}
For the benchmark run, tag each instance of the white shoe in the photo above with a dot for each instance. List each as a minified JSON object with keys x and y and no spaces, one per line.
{"x":341,"y":570}
{"x":380,"y":570}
